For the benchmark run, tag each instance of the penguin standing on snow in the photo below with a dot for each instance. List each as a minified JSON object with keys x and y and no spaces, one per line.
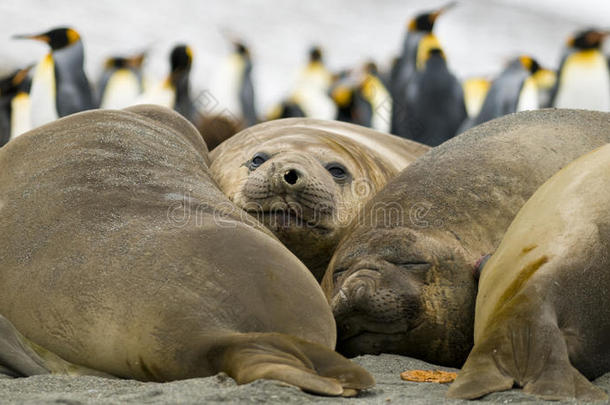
{"x":418,"y":29}
{"x":377,"y":113}
{"x":121,"y":82}
{"x":14,"y":105}
{"x":181,"y":60}
{"x":174,"y":91}
{"x":583,"y":80}
{"x":434,"y":99}
{"x":343,"y":93}
{"x":59,"y":86}
{"x":514,"y":90}
{"x":234,"y":89}
{"x":311,"y":92}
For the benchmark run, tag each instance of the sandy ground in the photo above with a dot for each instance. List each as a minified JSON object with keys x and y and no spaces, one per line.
{"x":222,"y":389}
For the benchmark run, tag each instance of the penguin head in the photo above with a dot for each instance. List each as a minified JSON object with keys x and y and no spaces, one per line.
{"x":57,"y":38}
{"x":120,"y":62}
{"x":529,"y":64}
{"x":588,"y":39}
{"x":241,"y":49}
{"x":371,"y":68}
{"x":315,"y":55}
{"x":116,"y":62}
{"x":181,"y":59}
{"x":425,"y":21}
{"x":18,"y":81}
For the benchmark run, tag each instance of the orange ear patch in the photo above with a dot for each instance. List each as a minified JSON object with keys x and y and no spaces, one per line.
{"x":436,"y":376}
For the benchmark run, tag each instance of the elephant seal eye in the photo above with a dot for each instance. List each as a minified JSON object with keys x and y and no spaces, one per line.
{"x":257,"y":160}
{"x":337,"y":170}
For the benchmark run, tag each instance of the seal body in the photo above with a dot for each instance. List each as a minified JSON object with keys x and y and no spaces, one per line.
{"x":401,"y":280}
{"x":543,"y":309}
{"x":137,"y":268}
{"x":305,"y":179}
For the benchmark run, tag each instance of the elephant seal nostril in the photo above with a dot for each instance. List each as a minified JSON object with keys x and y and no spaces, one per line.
{"x":291,"y":177}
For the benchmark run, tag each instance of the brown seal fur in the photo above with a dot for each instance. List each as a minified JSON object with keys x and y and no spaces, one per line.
{"x":542,"y":315}
{"x":401,"y":281}
{"x":309,"y":211}
{"x":121,"y":255}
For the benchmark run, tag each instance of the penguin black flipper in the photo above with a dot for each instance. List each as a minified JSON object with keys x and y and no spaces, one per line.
{"x":555,"y":88}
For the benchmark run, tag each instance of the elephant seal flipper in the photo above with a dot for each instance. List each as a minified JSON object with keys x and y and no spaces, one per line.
{"x":20,"y":357}
{"x":141,"y":267}
{"x":309,"y":366}
{"x":537,"y":353}
{"x":16,"y":358}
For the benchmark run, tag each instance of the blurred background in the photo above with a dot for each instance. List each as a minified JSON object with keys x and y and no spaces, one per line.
{"x":478,"y":36}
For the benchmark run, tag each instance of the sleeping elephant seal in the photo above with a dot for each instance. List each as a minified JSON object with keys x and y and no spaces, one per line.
{"x":542,"y":316}
{"x":305,"y":179}
{"x":121,"y":255}
{"x":401,"y":281}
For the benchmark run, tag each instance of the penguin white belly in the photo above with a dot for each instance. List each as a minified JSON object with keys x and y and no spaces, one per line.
{"x":20,"y":114}
{"x":528,"y":97}
{"x":122,"y":90}
{"x":225,"y":88}
{"x":311,"y":93}
{"x":316,"y":103}
{"x":584,"y":82}
{"x":162,"y":94}
{"x":42,"y":93}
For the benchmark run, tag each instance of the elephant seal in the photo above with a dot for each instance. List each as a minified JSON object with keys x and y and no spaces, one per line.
{"x":542,"y":315}
{"x":121,"y":255}
{"x":401,"y":281}
{"x":305,"y":179}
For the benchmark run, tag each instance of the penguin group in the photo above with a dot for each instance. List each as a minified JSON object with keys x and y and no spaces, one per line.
{"x":418,"y":98}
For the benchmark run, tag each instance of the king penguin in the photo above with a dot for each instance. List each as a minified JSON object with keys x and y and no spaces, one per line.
{"x":343,"y":93}
{"x":181,"y":60}
{"x":311,"y":92}
{"x":14,"y":105}
{"x":174,"y":91}
{"x":233,"y":86}
{"x":121,"y":81}
{"x":418,"y":29}
{"x":59,"y":86}
{"x":434,"y":99}
{"x":583,"y":80}
{"x":377,"y":113}
{"x":515,"y":89}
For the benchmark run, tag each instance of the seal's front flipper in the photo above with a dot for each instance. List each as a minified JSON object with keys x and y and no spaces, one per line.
{"x":479,"y":376}
{"x":17,"y":359}
{"x":309,"y":366}
{"x":560,"y":380}
{"x":534,"y":356}
{"x":20,"y":357}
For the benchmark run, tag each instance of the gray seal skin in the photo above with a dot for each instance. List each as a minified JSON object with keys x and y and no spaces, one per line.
{"x":120,"y":256}
{"x":543,"y":310}
{"x":305,"y":179}
{"x":402,"y":281}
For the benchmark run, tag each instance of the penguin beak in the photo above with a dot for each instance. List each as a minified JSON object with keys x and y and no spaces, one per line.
{"x":442,"y":10}
{"x":136,"y":61}
{"x":39,"y":37}
{"x":21,"y":75}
